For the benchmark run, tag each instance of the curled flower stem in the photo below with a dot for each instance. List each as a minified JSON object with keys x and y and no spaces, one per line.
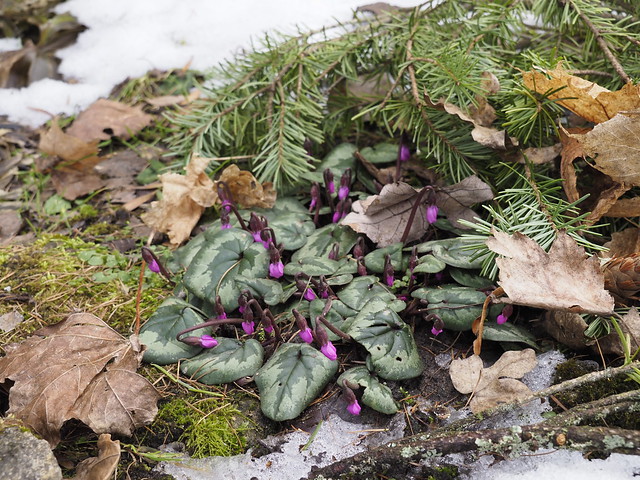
{"x":226,"y":194}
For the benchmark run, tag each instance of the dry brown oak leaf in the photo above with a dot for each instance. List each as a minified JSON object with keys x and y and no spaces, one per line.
{"x":78,"y":368}
{"x":104,"y":465}
{"x":563,"y":279}
{"x":494,"y":385}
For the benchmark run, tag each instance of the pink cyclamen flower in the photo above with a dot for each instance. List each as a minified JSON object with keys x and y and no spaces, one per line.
{"x":329,"y":351}
{"x":504,"y":315}
{"x":153,"y":266}
{"x":306,"y":335}
{"x":309,"y":294}
{"x":276,"y":270}
{"x":405,"y":153}
{"x":207,"y":341}
{"x":389,"y":279}
{"x":268,"y":328}
{"x":501,"y":319}
{"x":343,"y":192}
{"x":249,"y":327}
{"x":354,"y":407}
{"x":432,"y":213}
{"x":436,"y":331}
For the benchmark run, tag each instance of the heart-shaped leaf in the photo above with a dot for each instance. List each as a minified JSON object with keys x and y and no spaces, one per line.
{"x":214,"y":268}
{"x":380,"y":153}
{"x":457,"y":306}
{"x":469,"y":278}
{"x":283,"y":206}
{"x":269,"y":290}
{"x":336,"y":315}
{"x":292,"y":230}
{"x":375,"y":395}
{"x":321,"y":241}
{"x":456,"y":252}
{"x":159,"y":332}
{"x":313,"y":266}
{"x":374,"y":261}
{"x":362,"y":290}
{"x":429,"y":264}
{"x":337,"y":160}
{"x":291,"y":379}
{"x":389,"y":341}
{"x":229,"y":361}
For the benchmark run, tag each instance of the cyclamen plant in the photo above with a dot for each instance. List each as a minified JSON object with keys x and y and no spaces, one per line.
{"x":294,"y":286}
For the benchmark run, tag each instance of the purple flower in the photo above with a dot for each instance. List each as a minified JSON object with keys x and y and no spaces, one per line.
{"x":207,"y":341}
{"x":309,"y":294}
{"x":336,"y":216}
{"x":504,"y":316}
{"x":405,"y":153}
{"x":268,"y":328}
{"x":354,"y":407}
{"x":436,"y":331}
{"x":389,"y":279}
{"x":331,"y":187}
{"x":328,"y":181}
{"x":257,"y":237}
{"x":438,"y":325}
{"x":249,"y":327}
{"x":306,"y":335}
{"x":343,"y":192}
{"x":276,"y":270}
{"x":432,"y":213}
{"x":329,"y":351}
{"x":153,"y":266}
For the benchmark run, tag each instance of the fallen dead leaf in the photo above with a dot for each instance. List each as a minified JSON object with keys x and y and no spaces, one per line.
{"x":586,"y":99}
{"x":184,"y":199}
{"x":614,"y":146}
{"x":455,"y":200}
{"x":170,"y":100}
{"x":567,"y":328}
{"x":9,"y":61}
{"x":104,"y":465}
{"x":563,"y":279}
{"x":623,"y":243}
{"x":107,"y":118}
{"x":537,"y":156}
{"x":383,"y":217}
{"x":245,"y":189}
{"x":78,"y":368}
{"x":494,"y":385}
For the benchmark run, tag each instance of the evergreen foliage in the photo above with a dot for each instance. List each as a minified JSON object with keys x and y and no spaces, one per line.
{"x":377,"y":75}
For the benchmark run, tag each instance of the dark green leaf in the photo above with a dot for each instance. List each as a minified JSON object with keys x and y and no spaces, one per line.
{"x":381,"y":153}
{"x":313,"y":266}
{"x":229,"y":361}
{"x":375,"y":395}
{"x":159,"y":332}
{"x":337,"y":160}
{"x":292,"y":230}
{"x":389,"y":341}
{"x":453,"y":251}
{"x":429,"y":264}
{"x":269,"y":290}
{"x":508,"y":332}
{"x":321,"y":241}
{"x":469,"y":278}
{"x":374,"y":261}
{"x":291,"y":379}
{"x":336,"y":315}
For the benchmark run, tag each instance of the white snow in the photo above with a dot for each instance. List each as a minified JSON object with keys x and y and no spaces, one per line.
{"x":127,"y":38}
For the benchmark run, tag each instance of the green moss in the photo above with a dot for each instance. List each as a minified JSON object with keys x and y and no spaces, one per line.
{"x":57,"y":275}
{"x":210,"y":426}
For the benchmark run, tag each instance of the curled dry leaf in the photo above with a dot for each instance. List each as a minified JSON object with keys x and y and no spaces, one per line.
{"x":104,"y":465}
{"x":455,"y":200}
{"x":563,"y":279}
{"x":183,"y":201}
{"x":614,"y":146}
{"x":567,"y":328}
{"x":245,"y":189}
{"x":586,"y":99}
{"x":384,"y":217}
{"x":496,"y":384}
{"x":79,"y":368}
{"x":623,"y":243}
{"x":107,"y":118}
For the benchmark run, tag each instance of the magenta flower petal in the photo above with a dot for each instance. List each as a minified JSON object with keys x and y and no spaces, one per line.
{"x":224,"y":226}
{"x":501,"y":319}
{"x":207,"y":341}
{"x":405,"y":153}
{"x":436,"y":331}
{"x":432,"y":213}
{"x":268,"y":328}
{"x":153,"y":266}
{"x":276,"y":270}
{"x":389,"y":280}
{"x":343,"y":192}
{"x":248,"y":327}
{"x":306,"y":335}
{"x":309,"y":294}
{"x":354,"y":408}
{"x":329,"y":351}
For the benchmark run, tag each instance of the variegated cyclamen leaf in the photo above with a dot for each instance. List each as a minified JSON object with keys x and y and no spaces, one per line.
{"x":291,"y":379}
{"x":457,"y":306}
{"x":374,"y":261}
{"x":292,"y":230}
{"x":429,"y":264}
{"x":337,"y":160}
{"x":508,"y":332}
{"x":336,"y":315}
{"x":389,"y":341}
{"x":363,"y":290}
{"x":269,"y":290}
{"x":227,"y":362}
{"x":159,"y":332}
{"x":313,"y":266}
{"x":470,"y":278}
{"x":214,"y":268}
{"x":375,"y":395}
{"x":322,"y":240}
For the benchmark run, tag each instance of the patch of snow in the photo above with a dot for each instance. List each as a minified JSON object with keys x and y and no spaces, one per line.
{"x":125,"y":39}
